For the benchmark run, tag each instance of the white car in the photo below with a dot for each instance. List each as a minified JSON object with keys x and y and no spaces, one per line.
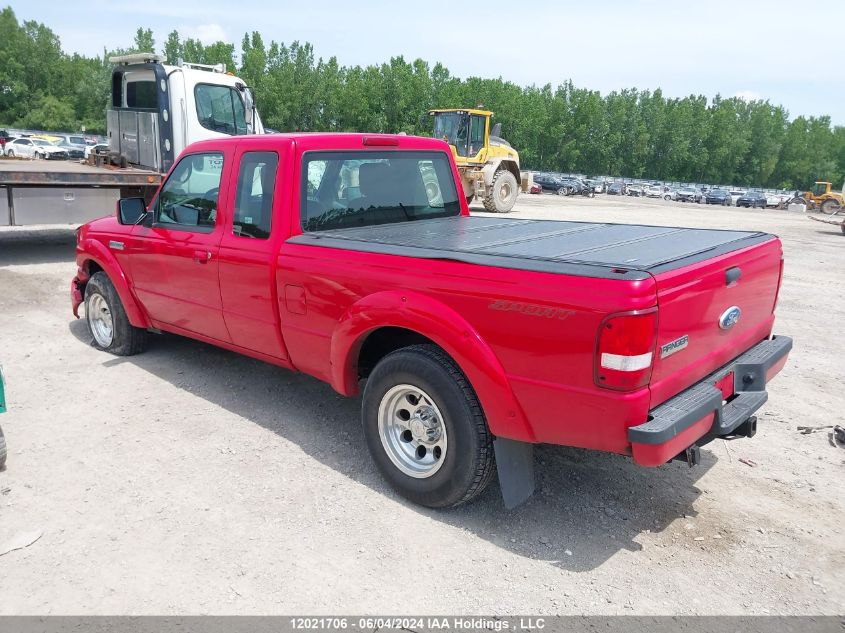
{"x":35,"y":148}
{"x":99,"y":147}
{"x":655,"y":191}
{"x":736,"y":194}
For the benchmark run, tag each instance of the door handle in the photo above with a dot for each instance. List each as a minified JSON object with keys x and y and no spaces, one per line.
{"x":202,"y":257}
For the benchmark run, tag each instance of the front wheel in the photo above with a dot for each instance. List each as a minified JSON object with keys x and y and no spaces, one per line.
{"x":502,"y":192}
{"x":830,"y":206}
{"x":107,"y":320}
{"x":425,"y":428}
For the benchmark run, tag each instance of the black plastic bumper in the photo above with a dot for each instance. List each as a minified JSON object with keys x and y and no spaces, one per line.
{"x":688,"y":407}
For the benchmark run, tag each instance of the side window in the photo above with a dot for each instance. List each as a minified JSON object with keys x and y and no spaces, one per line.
{"x":188,"y":200}
{"x":220,"y":109}
{"x":253,"y":216}
{"x":476,"y":135}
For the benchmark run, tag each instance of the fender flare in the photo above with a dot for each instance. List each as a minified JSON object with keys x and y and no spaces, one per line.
{"x":96,"y":252}
{"x":494,"y":165}
{"x":448,"y":329}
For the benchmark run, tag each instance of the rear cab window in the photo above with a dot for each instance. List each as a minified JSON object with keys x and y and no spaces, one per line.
{"x":366,"y":188}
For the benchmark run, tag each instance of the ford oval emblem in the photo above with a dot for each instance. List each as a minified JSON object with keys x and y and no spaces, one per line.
{"x":730,"y":317}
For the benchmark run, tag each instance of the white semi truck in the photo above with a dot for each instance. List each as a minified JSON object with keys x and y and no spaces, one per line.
{"x":155,"y":111}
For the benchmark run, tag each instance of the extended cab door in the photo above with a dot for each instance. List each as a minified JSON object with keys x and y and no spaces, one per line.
{"x":254,"y":231}
{"x":174,"y":260}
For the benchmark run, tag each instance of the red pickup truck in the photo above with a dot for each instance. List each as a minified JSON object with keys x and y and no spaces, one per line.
{"x":354,"y":258}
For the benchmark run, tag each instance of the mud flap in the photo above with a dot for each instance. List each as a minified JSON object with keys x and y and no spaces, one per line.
{"x":515,"y":466}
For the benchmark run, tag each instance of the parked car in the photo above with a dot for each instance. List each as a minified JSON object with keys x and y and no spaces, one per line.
{"x":599,"y":186}
{"x":548,"y":182}
{"x":637,"y":191}
{"x":718,"y":196}
{"x":752,"y":199}
{"x":616,"y":189}
{"x":99,"y":148}
{"x":777,"y":199}
{"x":453,"y":321}
{"x":670,"y":194}
{"x":74,"y":152}
{"x":574,"y":186}
{"x":736,"y":194}
{"x":654,"y":191}
{"x":34,"y":148}
{"x":75,"y":144}
{"x":689,"y":194}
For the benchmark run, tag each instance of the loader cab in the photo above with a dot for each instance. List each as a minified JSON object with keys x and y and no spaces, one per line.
{"x":820,"y":189}
{"x":157,"y":110}
{"x":467,"y":131}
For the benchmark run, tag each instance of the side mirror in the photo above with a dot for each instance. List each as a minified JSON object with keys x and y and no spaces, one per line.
{"x":130,"y":210}
{"x":249,"y":106}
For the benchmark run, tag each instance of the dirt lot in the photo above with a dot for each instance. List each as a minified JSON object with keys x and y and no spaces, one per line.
{"x":192,"y":480}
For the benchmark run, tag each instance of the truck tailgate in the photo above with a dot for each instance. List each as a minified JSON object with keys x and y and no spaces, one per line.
{"x":699,"y":326}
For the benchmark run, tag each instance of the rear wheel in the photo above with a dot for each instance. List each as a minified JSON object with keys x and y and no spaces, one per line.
{"x":107,"y":320}
{"x":425,"y":428}
{"x":10,"y":153}
{"x":502,"y":193}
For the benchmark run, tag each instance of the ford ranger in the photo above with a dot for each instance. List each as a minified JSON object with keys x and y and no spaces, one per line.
{"x":354,"y":258}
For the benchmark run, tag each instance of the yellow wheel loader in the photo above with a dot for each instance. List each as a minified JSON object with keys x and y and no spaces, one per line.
{"x":823,"y":197}
{"x":488,"y":165}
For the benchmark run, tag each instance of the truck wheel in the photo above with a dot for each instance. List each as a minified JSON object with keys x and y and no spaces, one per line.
{"x":502,"y":194}
{"x":107,"y":319}
{"x":830,"y":206}
{"x":2,"y":450}
{"x":425,"y":428}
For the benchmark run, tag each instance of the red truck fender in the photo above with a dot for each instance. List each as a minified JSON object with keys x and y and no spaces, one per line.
{"x":445,"y":327}
{"x":96,"y":252}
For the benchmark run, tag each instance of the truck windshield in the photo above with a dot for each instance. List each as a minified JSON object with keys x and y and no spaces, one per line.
{"x":358,"y":188}
{"x":219,"y":108}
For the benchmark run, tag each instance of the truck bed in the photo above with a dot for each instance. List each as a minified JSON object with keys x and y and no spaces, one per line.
{"x":619,"y":251}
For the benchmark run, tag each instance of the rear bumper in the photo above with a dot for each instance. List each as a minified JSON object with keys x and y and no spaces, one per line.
{"x":703,"y":412}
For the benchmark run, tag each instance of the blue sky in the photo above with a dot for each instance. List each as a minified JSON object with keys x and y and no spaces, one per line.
{"x":760,"y":49}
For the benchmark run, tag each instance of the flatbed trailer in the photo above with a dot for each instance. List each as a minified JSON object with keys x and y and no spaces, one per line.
{"x":63,"y":192}
{"x":834,"y":220}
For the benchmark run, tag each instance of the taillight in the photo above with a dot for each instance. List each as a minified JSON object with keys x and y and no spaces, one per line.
{"x":625,"y":350}
{"x":777,"y":290}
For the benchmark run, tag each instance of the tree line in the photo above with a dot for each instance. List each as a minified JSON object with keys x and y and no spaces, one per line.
{"x":630,"y":132}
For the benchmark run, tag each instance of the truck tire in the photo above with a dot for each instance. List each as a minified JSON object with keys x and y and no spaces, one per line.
{"x":830,"y":206}
{"x":503,"y":192}
{"x":425,"y":428}
{"x":107,"y":321}
{"x":2,"y":450}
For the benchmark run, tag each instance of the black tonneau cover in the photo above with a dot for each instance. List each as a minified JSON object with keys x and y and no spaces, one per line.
{"x":626,"y":251}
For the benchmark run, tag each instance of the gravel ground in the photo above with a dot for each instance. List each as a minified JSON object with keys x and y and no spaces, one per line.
{"x":192,"y":480}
